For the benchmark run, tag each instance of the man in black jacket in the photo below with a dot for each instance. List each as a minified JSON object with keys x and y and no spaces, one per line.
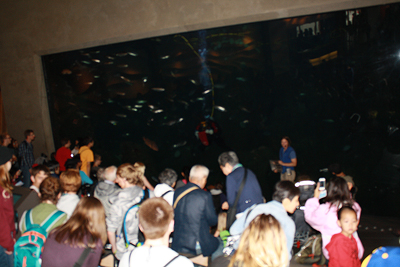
{"x":194,"y":215}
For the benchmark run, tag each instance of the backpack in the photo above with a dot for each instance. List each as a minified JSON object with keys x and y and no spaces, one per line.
{"x":29,"y":247}
{"x":145,"y":196}
{"x":311,"y":251}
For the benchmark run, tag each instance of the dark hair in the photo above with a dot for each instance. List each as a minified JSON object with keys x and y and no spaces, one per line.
{"x":49,"y":189}
{"x":27,"y":133}
{"x":335,"y":168}
{"x":72,"y":163}
{"x":287,"y":139}
{"x":338,"y":193}
{"x":339,"y":213}
{"x":64,"y":141}
{"x":229,"y":157}
{"x":87,"y":140}
{"x":285,"y":189}
{"x":40,"y":168}
{"x":168,"y":176}
{"x":52,"y":165}
{"x":186,"y":171}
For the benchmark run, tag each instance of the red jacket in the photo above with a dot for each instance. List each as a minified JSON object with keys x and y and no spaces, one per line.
{"x":62,"y":155}
{"x":343,"y":251}
{"x":7,"y":226}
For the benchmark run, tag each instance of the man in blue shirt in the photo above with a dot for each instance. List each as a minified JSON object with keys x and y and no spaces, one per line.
{"x":234,"y":171}
{"x":26,"y":154}
{"x":287,"y":159}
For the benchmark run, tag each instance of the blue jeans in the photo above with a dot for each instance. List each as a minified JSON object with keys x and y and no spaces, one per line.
{"x":26,"y":176}
{"x":5,"y":259}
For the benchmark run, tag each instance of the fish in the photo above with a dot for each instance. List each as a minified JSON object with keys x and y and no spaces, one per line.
{"x":157,"y":111}
{"x":132,"y":54}
{"x":220,"y":108}
{"x":123,"y":66}
{"x":125,"y":79}
{"x":127,"y":107}
{"x":113,"y":122}
{"x":96,"y":76}
{"x":141,"y":101}
{"x":152,"y":106}
{"x":172,"y":122}
{"x":150,"y":143}
{"x":158,"y":89}
{"x":329,"y":121}
{"x":194,"y":82}
{"x":165,"y":57}
{"x":207,"y":91}
{"x":110,"y":101}
{"x":241,"y":79}
{"x":111,"y":58}
{"x":219,"y":86}
{"x":90,"y":83}
{"x":86,"y":116}
{"x":121,"y":54}
{"x":134,"y":109}
{"x":183,"y":102}
{"x":66,"y":72}
{"x":73,"y":104}
{"x":108,"y":63}
{"x":245,"y":109}
{"x":121,"y":93}
{"x":200,"y":99}
{"x":96,"y":60}
{"x":138,"y":106}
{"x":180,"y":144}
{"x":86,"y":62}
{"x":145,"y":79}
{"x":121,"y":115}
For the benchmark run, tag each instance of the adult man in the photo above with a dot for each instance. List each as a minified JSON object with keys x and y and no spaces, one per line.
{"x":234,"y":171}
{"x":284,"y":200}
{"x":287,"y":159}
{"x":86,"y":154}
{"x":165,"y":190}
{"x":194,"y":215}
{"x":106,"y":188}
{"x":156,"y":219}
{"x":26,"y":155}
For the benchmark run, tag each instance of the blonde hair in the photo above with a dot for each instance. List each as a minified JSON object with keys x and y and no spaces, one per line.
{"x":5,"y":180}
{"x":70,"y":180}
{"x":263,"y":243}
{"x":222,"y":221}
{"x":140,"y":167}
{"x":131,"y":174}
{"x":87,"y":223}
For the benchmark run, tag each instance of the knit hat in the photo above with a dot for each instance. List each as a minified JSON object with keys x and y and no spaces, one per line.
{"x":5,"y":155}
{"x":349,"y":179}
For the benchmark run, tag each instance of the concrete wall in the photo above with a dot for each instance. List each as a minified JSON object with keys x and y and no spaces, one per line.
{"x":31,"y":28}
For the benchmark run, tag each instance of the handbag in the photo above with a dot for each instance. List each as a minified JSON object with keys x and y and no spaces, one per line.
{"x":231,"y":216}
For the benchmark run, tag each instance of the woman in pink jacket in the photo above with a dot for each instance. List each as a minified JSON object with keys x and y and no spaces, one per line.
{"x":323,"y":217}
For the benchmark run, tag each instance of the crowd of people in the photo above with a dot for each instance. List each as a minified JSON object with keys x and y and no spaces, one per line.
{"x":179,"y":222}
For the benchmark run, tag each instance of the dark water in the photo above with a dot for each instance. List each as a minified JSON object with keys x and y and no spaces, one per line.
{"x":329,"y":81}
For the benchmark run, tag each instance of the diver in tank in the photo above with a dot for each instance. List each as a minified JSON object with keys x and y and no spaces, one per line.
{"x":287,"y":159}
{"x":208,"y":131}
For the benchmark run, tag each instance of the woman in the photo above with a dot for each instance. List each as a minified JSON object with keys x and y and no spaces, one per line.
{"x":142,"y":168}
{"x":7,"y":226}
{"x":85,"y":228}
{"x":323,"y":217}
{"x":263,"y":243}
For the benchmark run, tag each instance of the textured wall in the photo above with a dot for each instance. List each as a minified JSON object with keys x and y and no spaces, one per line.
{"x":31,"y":28}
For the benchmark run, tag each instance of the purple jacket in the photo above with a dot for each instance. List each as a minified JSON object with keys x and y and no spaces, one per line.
{"x":323,"y":217}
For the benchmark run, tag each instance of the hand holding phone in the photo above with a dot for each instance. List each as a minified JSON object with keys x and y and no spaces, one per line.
{"x":322,"y":190}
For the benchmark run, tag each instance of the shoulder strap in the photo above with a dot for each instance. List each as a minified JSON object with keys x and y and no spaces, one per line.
{"x":51,"y":219}
{"x":169,"y":191}
{"x":83,"y":257}
{"x":28,"y":220}
{"x":187,"y":191}
{"x":240,"y":188}
{"x":171,"y":260}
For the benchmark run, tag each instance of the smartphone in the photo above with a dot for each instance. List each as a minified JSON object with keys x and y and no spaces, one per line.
{"x":322,"y":184}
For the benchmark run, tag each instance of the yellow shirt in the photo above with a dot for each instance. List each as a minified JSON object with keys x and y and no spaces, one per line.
{"x":86,"y":157}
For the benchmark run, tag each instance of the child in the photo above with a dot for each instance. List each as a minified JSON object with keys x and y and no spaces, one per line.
{"x":70,"y":183}
{"x":284,"y":200}
{"x":342,"y":248}
{"x":156,"y":220}
{"x":221,"y":228}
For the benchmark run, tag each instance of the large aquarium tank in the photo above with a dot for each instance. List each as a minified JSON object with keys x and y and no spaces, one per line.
{"x":331,"y":82}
